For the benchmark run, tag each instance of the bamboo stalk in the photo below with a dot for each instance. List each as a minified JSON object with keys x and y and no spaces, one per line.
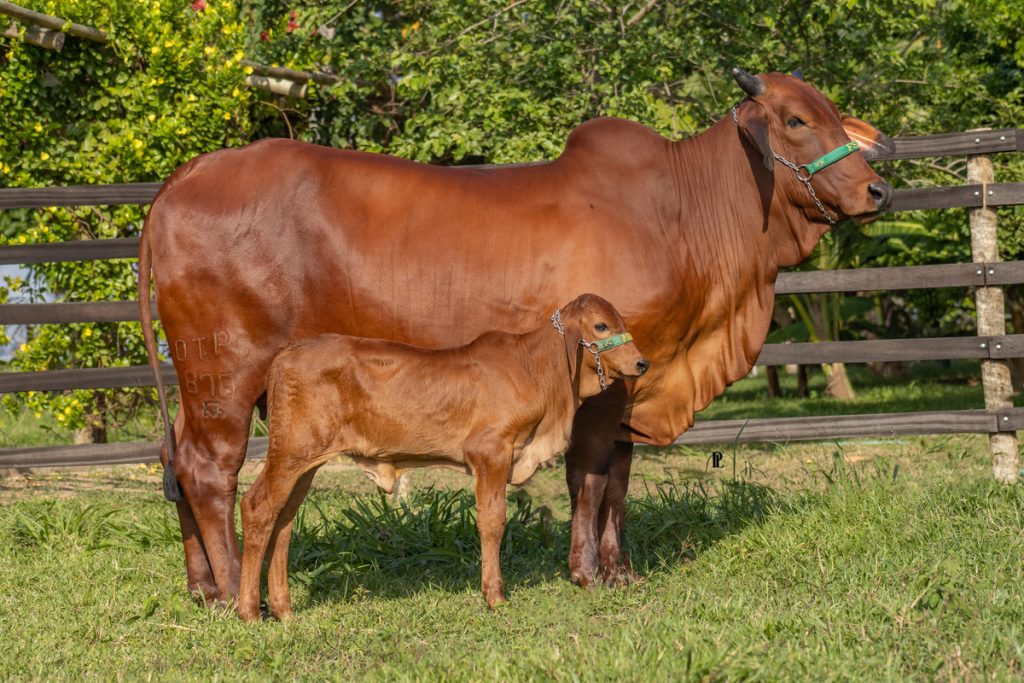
{"x":40,"y":37}
{"x":54,"y":23}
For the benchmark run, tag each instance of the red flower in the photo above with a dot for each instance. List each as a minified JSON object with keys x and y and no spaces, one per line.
{"x":314,"y":32}
{"x":198,"y":5}
{"x":292,"y":25}
{"x":264,"y":36}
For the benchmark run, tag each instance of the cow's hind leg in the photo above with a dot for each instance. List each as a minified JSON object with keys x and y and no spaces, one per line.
{"x":280,"y":540}
{"x":199,"y":574}
{"x":206,"y":465}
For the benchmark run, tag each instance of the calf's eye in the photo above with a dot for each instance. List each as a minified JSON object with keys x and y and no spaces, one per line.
{"x":795,"y":122}
{"x":601,"y":327}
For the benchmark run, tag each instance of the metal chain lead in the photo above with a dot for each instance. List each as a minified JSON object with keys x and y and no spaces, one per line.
{"x":805,"y":179}
{"x":556,"y":320}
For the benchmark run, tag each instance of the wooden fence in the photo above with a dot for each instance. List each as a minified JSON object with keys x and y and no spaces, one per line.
{"x":986,"y":275}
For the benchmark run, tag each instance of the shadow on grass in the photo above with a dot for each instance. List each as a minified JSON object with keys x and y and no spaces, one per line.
{"x":370,"y":545}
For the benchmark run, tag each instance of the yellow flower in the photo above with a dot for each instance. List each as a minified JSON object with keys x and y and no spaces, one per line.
{"x":23,"y":348}
{"x":38,"y":128}
{"x":60,"y":418}
{"x":38,"y":415}
{"x":227,"y":116}
{"x":21,"y":239}
{"x":155,"y":50}
{"x":159,"y":81}
{"x":210,"y":50}
{"x":234,"y":93}
{"x":67,"y":411}
{"x":151,"y":117}
{"x":44,"y":156}
{"x":191,"y":97}
{"x":137,"y":143}
{"x":6,"y":168}
{"x":182,"y":131}
{"x":76,"y":402}
{"x":31,"y":393}
{"x":248,"y":70}
{"x":87,"y":332}
{"x":239,"y":55}
{"x":169,"y":43}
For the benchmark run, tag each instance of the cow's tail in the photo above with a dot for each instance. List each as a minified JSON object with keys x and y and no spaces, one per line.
{"x":172,"y":489}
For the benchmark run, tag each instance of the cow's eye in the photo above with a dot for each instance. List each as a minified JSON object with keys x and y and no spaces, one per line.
{"x":601,"y":327}
{"x":795,"y":122}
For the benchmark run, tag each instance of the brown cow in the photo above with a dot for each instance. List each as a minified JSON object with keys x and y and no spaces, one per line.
{"x":254,"y":248}
{"x":496,"y":408}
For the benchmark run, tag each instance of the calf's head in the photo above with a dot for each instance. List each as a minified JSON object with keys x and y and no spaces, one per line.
{"x":784,"y":117}
{"x":599,"y":348}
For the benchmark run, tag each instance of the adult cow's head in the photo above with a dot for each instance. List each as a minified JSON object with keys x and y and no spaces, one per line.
{"x":791,"y":124}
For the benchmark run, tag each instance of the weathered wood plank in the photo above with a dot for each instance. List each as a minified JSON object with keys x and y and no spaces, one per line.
{"x":291,"y":74}
{"x":968,"y":196}
{"x":877,"y":279}
{"x":845,"y":426}
{"x":80,"y":250}
{"x":60,"y":313}
{"x":78,"y":195}
{"x":711,"y":432}
{"x":84,"y":378}
{"x":34,"y":35}
{"x":957,"y":144}
{"x":936,"y":348}
{"x":99,"y":454}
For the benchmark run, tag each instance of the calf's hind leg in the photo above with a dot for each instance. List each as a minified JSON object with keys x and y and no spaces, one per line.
{"x":277,"y":575}
{"x":490,"y":469}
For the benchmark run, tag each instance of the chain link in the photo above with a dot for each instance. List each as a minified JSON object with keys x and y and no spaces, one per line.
{"x":805,"y":179}
{"x":556,"y":321}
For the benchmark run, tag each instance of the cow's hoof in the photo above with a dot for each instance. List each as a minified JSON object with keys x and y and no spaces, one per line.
{"x":584,"y":580}
{"x":249,"y":613}
{"x":494,"y":596}
{"x":205,"y":595}
{"x":620,"y":576}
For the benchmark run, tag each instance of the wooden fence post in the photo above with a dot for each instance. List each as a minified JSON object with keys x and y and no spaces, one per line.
{"x":995,"y":374}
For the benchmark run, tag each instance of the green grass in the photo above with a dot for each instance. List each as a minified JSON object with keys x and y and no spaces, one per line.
{"x":892,"y":562}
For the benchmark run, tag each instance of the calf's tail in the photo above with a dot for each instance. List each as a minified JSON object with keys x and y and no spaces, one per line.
{"x":172,"y":489}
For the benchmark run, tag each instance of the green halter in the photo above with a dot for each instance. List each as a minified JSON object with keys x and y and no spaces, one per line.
{"x":832,"y":157}
{"x":610,"y":342}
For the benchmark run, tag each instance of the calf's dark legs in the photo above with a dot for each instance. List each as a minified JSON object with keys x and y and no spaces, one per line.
{"x":615,"y":567}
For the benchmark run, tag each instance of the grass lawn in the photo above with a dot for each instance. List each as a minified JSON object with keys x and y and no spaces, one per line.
{"x":887,"y":560}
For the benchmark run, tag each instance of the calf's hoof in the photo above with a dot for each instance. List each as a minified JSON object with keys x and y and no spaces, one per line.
{"x":205,"y":595}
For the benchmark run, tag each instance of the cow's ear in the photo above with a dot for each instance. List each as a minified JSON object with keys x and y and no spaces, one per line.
{"x":873,"y":142}
{"x":752,"y":120}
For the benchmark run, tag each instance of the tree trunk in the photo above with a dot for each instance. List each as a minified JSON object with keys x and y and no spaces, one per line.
{"x":801,"y":381}
{"x":837,"y":383}
{"x":772,"y":373}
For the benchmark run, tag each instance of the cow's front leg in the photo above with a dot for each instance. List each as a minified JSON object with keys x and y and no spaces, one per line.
{"x":615,"y":567}
{"x":490,"y":465}
{"x":588,"y":464}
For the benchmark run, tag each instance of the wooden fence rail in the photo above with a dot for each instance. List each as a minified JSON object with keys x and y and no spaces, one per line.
{"x":984,"y":275}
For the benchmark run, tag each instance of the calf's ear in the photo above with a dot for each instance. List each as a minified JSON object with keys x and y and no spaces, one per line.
{"x":873,"y":142}
{"x":573,"y":349}
{"x":752,"y":120}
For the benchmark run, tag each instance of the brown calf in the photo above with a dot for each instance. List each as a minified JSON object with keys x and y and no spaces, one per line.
{"x":497,"y":408}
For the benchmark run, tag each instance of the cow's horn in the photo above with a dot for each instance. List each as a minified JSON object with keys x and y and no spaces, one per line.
{"x":752,"y":85}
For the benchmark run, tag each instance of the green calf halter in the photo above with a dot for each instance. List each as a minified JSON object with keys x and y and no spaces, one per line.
{"x":595,"y":347}
{"x":611,"y":342}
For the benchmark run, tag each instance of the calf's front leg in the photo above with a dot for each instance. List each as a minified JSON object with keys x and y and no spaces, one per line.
{"x":490,"y":469}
